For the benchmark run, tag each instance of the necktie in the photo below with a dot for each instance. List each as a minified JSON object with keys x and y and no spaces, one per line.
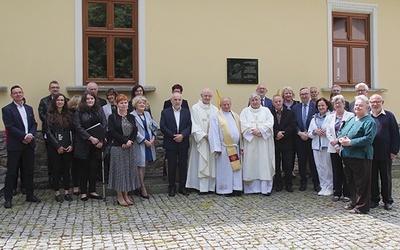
{"x":262,"y":102}
{"x":279,"y":116}
{"x":304,"y":116}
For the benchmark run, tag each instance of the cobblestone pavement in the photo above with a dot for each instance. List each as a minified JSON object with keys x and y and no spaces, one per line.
{"x":298,"y":220}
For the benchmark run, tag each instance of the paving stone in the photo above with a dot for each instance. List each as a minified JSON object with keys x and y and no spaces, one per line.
{"x":298,"y":220}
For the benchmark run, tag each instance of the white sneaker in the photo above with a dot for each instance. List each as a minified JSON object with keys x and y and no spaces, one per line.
{"x":321,"y":192}
{"x":328,"y":192}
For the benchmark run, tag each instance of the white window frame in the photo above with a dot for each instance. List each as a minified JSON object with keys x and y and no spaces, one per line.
{"x":362,"y":8}
{"x":79,"y":43}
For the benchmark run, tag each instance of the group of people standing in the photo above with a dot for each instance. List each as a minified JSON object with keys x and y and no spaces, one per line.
{"x":76,"y":132}
{"x":347,"y":146}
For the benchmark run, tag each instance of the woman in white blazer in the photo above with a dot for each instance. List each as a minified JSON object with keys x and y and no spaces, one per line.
{"x":317,"y":132}
{"x":335,"y":122}
{"x":144,"y":144}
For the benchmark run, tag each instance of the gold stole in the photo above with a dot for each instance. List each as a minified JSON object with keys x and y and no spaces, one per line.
{"x":230,"y":147}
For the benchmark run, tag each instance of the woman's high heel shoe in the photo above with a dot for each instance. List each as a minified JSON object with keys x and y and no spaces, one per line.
{"x":124,"y":204}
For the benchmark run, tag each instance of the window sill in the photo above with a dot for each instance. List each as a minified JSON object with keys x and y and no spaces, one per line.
{"x":3,"y":88}
{"x":348,"y":90}
{"x":105,"y":88}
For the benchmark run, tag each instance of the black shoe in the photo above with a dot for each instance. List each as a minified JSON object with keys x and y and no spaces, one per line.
{"x":237,"y":193}
{"x":58,"y":198}
{"x":84,"y":198}
{"x":183,"y":191}
{"x":7,"y":204}
{"x":289,"y":189}
{"x":317,"y":188}
{"x":229,"y":195}
{"x":96,"y":197}
{"x":303,"y":187}
{"x":67,"y":197}
{"x":147,"y":196}
{"x":279,"y":188}
{"x":267,"y":194}
{"x":32,"y":198}
{"x":171,"y":192}
{"x":203,"y":193}
{"x":77,"y":193}
{"x":388,"y":206}
{"x":373,"y":204}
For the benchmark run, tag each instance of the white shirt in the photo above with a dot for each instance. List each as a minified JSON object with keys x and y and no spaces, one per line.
{"x":177,"y":114}
{"x":24,"y":116}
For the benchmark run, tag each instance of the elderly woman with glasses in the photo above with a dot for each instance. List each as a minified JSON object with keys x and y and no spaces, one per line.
{"x":335,"y":122}
{"x":356,"y":138}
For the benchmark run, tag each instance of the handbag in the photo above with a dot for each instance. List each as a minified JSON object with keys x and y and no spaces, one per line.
{"x":154,"y":126}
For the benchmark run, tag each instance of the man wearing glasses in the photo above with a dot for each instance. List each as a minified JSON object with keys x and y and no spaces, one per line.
{"x":54,"y":89}
{"x":361,"y":89}
{"x":386,"y":147}
{"x":21,"y":126}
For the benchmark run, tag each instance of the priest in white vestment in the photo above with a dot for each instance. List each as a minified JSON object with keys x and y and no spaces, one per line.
{"x":224,"y":138}
{"x":259,"y":150}
{"x":201,"y":168}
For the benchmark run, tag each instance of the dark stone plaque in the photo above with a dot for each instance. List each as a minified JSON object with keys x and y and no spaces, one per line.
{"x":242,"y":70}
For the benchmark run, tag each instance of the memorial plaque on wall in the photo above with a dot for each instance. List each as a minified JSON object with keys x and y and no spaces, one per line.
{"x":242,"y":70}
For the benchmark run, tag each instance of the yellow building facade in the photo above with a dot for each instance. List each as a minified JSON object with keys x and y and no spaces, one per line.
{"x":189,"y":41}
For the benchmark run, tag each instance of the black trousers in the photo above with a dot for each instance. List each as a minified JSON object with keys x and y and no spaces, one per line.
{"x":304,"y":152}
{"x":172,"y":157}
{"x":13,"y":158}
{"x":382,"y":169}
{"x":75,"y":172}
{"x":88,"y":171}
{"x":286,"y":157}
{"x":358,"y":174}
{"x":49,"y":165}
{"x":61,"y":164}
{"x":339,"y":179}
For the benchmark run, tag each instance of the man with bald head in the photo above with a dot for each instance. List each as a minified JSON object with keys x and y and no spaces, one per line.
{"x":386,"y":147}
{"x":201,"y":168}
{"x":224,"y":139}
{"x":176,"y":125}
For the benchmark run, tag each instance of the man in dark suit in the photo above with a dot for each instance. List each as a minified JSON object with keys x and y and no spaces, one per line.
{"x":284,"y":130}
{"x":176,"y":88}
{"x":304,"y":112}
{"x":176,"y":126}
{"x":265,"y":101}
{"x":21,"y":127}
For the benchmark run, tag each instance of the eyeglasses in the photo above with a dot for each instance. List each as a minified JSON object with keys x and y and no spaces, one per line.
{"x":361,"y":90}
{"x":304,"y":94}
{"x":374,"y":102}
{"x":338,"y":103}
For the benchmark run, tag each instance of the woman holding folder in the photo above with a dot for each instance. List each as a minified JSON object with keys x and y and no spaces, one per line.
{"x":59,"y":134}
{"x":90,"y":124}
